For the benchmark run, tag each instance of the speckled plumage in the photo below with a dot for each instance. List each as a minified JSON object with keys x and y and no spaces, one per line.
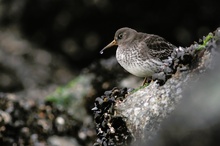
{"x":139,"y":53}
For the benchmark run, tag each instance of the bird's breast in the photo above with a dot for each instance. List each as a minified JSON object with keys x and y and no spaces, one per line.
{"x":130,"y":60}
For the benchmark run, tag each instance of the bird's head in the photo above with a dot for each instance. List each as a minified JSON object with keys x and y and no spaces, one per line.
{"x":123,"y":35}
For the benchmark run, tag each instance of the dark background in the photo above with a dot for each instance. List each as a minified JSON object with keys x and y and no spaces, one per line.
{"x":78,"y":29}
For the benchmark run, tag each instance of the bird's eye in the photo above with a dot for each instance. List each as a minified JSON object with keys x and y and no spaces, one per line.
{"x":120,"y":36}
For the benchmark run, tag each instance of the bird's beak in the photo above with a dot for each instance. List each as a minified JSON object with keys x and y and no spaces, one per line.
{"x":113,"y":43}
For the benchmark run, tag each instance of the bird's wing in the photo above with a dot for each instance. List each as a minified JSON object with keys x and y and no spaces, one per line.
{"x":158,"y":47}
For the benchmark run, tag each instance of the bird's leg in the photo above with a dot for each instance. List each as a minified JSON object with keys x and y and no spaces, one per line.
{"x":145,"y":80}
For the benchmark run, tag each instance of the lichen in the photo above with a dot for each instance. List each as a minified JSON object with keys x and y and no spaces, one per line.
{"x":205,"y":41}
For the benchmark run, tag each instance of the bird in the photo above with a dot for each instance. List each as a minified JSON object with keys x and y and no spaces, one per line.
{"x":141,"y":54}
